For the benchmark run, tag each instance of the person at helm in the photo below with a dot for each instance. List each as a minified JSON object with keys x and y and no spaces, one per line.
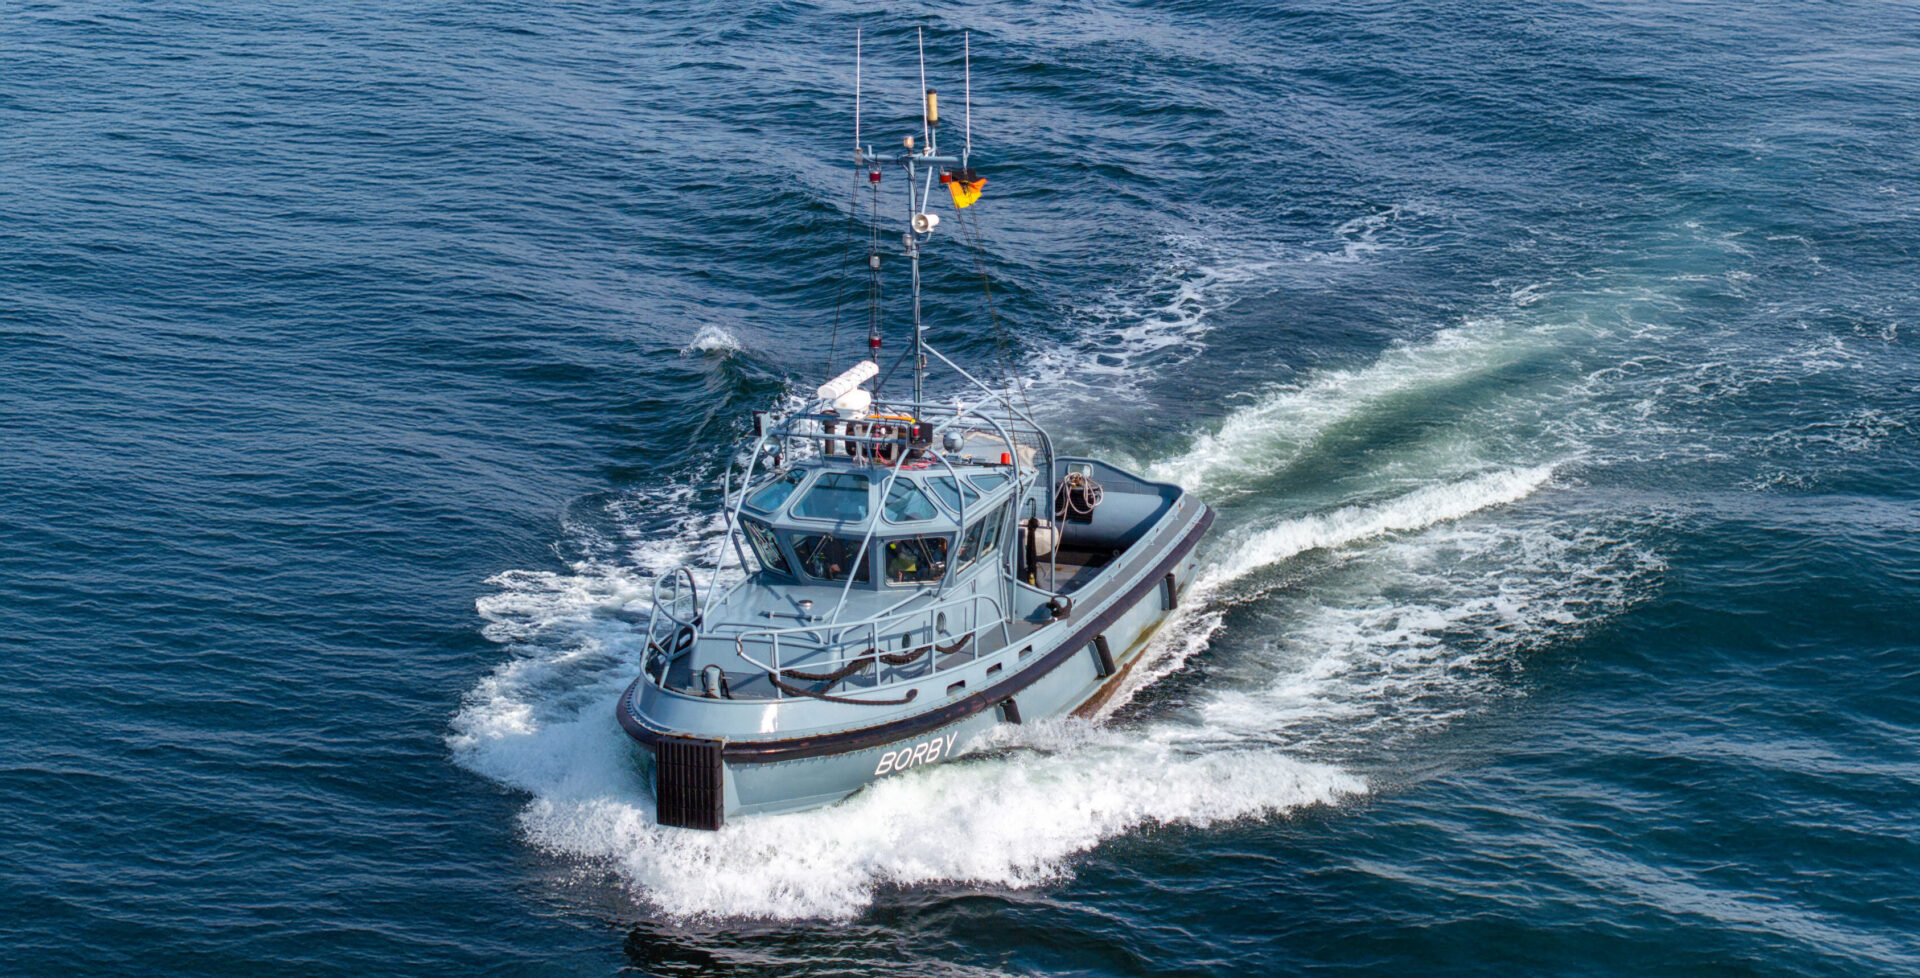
{"x":903,"y":561}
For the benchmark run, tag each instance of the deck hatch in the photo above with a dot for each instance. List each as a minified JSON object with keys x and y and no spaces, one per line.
{"x":688,"y":784}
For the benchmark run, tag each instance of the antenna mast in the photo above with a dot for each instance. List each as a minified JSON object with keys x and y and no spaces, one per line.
{"x":856,"y":91}
{"x":915,"y":221}
{"x":861,"y":160}
{"x":922,"y":162}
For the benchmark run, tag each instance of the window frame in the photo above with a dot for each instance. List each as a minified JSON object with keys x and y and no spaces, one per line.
{"x":862,"y":572}
{"x":995,"y":523}
{"x":944,"y":564}
{"x":866,"y":505}
{"x":1000,"y":479}
{"x":933,"y":509}
{"x":963,"y":491}
{"x":748,"y":526}
{"x":798,"y":477}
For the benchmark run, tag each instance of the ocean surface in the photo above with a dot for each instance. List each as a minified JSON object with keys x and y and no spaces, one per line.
{"x":1552,"y":369}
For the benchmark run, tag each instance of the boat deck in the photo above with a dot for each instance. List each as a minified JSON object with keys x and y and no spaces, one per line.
{"x":1074,"y":569}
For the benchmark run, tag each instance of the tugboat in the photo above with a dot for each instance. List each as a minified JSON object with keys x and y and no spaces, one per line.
{"x":915,"y":574}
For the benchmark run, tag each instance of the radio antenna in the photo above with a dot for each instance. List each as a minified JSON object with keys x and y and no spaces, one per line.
{"x":926,"y":127}
{"x":856,"y":90}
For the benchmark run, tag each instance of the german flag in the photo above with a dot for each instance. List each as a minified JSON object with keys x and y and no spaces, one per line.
{"x":965,"y":186}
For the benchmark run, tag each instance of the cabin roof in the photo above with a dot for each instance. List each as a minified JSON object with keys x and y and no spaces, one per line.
{"x":848,"y":496}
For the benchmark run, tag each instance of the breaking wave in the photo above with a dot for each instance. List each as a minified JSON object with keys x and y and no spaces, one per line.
{"x":713,"y":339}
{"x":1202,"y":613}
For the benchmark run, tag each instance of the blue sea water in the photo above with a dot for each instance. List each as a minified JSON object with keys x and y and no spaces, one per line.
{"x":1551,"y":368}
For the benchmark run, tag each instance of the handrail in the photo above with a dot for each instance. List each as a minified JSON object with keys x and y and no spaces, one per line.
{"x":692,"y":590}
{"x":847,"y":633}
{"x":732,"y":502}
{"x":874,"y":621}
{"x":667,"y":644}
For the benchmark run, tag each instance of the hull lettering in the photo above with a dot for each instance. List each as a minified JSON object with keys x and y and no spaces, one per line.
{"x":925,"y":752}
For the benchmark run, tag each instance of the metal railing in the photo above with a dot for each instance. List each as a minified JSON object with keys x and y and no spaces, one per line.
{"x":674,"y":623}
{"x":860,"y":645}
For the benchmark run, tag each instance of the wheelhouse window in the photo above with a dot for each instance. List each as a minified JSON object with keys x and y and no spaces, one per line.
{"x":771,"y":495}
{"x":760,"y":538}
{"x":826,"y":557}
{"x":943,"y":486}
{"x":983,"y":538}
{"x":988,"y":481}
{"x":838,"y":496}
{"x":916,"y":560}
{"x":907,"y":504}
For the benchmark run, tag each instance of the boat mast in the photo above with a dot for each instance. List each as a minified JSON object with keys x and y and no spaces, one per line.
{"x":873,"y":230}
{"x":917,"y":222}
{"x":922,"y":162}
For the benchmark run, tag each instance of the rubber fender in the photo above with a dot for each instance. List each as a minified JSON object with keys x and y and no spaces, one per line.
{"x":1105,"y":654}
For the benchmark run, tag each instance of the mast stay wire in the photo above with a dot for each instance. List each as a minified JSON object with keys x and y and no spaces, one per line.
{"x":1014,"y":383}
{"x":972,"y":229}
{"x":840,"y":286}
{"x":853,"y":214}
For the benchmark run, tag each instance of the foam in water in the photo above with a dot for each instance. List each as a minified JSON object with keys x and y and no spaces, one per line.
{"x":1420,"y":508}
{"x":1165,"y":317}
{"x":1199,"y":617}
{"x":1254,"y":440}
{"x":1012,"y":818}
{"x":1162,"y":321}
{"x":713,"y":338}
{"x":1360,"y":237}
{"x":1430,"y":620}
